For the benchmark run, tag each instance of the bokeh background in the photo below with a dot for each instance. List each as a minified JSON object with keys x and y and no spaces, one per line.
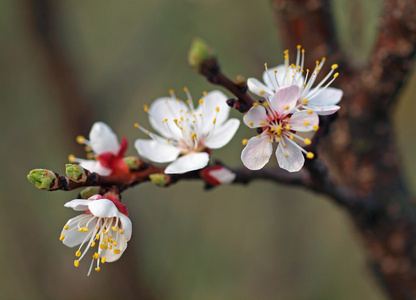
{"x":262,"y":241}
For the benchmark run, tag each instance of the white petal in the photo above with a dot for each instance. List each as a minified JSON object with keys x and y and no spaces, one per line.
{"x":223,"y":175}
{"x":324,"y":110}
{"x":258,"y":88}
{"x":188,"y":162}
{"x":328,"y":96}
{"x":155,"y":151}
{"x":289,"y":158}
{"x":222,"y":134}
{"x":127,"y":227}
{"x":166,"y":108}
{"x":103,"y":139}
{"x":255,"y":115}
{"x":110,"y":256}
{"x":208,"y":108}
{"x":122,"y":239}
{"x":303,"y":121}
{"x":73,"y":237}
{"x":78,"y":204}
{"x":94,"y":166}
{"x":103,"y":208}
{"x":257,"y":152}
{"x":285,"y":98}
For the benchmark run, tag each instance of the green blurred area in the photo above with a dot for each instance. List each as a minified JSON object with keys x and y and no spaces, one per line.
{"x":262,"y":241}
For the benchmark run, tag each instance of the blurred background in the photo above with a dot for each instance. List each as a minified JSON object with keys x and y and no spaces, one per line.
{"x":67,"y":64}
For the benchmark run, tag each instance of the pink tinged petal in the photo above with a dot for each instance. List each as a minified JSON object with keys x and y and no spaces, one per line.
{"x":328,"y":96}
{"x":166,"y":108}
{"x":208,"y":109}
{"x":103,"y":208}
{"x":258,"y":88}
{"x":285,"y":98}
{"x":103,"y":139}
{"x":127,"y":227}
{"x":188,"y":162}
{"x":324,"y":110}
{"x":223,"y":175}
{"x":290,"y":157}
{"x":303,"y":121}
{"x":78,"y":204}
{"x":254,"y":116}
{"x":222,"y":134}
{"x":257,"y":152}
{"x":156,"y":151}
{"x":73,"y":237}
{"x":94,"y":166}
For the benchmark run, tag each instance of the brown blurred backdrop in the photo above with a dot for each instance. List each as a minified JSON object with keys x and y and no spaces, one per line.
{"x":262,"y":241}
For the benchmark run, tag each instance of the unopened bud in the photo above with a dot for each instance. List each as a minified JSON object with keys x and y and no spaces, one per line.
{"x":75,"y":173}
{"x":160,"y":179}
{"x":199,"y":53}
{"x":133,"y":162}
{"x":43,"y":179}
{"x":89,"y":191}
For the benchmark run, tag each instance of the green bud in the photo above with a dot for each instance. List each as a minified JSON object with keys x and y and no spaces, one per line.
{"x":43,"y":179}
{"x":89,"y":191}
{"x":199,"y":53}
{"x":75,"y":173}
{"x":159,"y":179}
{"x":133,"y":162}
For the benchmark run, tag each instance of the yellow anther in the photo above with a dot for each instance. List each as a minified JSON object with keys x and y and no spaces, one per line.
{"x":96,"y":255}
{"x":201,"y":101}
{"x":80,"y":229}
{"x":204,"y":93}
{"x":121,"y":231}
{"x":292,"y":137}
{"x":308,"y":141}
{"x":305,"y":101}
{"x":324,"y":58}
{"x":66,"y":227}
{"x":304,"y":84}
{"x":115,"y":244}
{"x":97,"y":269}
{"x":165,"y":120}
{"x":93,"y":244}
{"x":103,"y":259}
{"x":275,"y":71}
{"x":255,"y":104}
{"x":185,"y":89}
{"x":71,"y":158}
{"x":269,"y":140}
{"x":310,"y":155}
{"x":78,"y":253}
{"x":145,"y":108}
{"x":171,"y":91}
{"x":303,"y":50}
{"x":177,"y":100}
{"x":265,"y":104}
{"x":315,"y":127}
{"x":299,"y":46}
{"x":76,"y":263}
{"x":285,"y":146}
{"x":317,"y":69}
{"x":334,"y":66}
{"x":262,"y":92}
{"x":187,"y":102}
{"x":148,"y":132}
{"x":61,"y":238}
{"x":306,"y":123}
{"x":87,"y":149}
{"x":265,"y":64}
{"x":193,"y":135}
{"x":168,"y":140}
{"x":286,"y":107}
{"x":90,"y":156}
{"x":310,"y":111}
{"x":278,"y":139}
{"x":272,"y":129}
{"x":286,"y":56}
{"x":287,"y":127}
{"x":80,"y":139}
{"x":97,"y":236}
{"x":336,"y":75}
{"x":214,"y":121}
{"x":217,"y":109}
{"x":262,"y":123}
{"x":85,"y":229}
{"x":286,"y":155}
{"x":293,"y":66}
{"x":117,"y":251}
{"x":317,"y":62}
{"x":286,"y":51}
{"x":104,"y":240}
{"x":244,"y":142}
{"x":279,"y":129}
{"x":114,"y":228}
{"x":102,"y":246}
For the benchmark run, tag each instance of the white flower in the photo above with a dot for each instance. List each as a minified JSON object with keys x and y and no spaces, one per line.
{"x":186,"y":133}
{"x":279,"y":119}
{"x":104,"y":224}
{"x":321,"y":99}
{"x":107,"y":154}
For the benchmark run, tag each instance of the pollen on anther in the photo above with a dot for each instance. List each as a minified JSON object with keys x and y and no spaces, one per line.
{"x":204,"y":93}
{"x":310,"y":111}
{"x":97,"y":269}
{"x":334,"y":66}
{"x":244,"y":142}
{"x":287,"y":127}
{"x":117,"y":251}
{"x":315,"y":127}
{"x":96,"y":255}
{"x":103,"y":259}
{"x":193,"y":135}
{"x":97,"y":236}
{"x":90,"y":156}
{"x":299,"y":46}
{"x":78,"y":253}
{"x":136,"y":124}
{"x":66,"y":227}
{"x":85,"y":229}
{"x":171,"y":91}
{"x":76,"y":263}
{"x":114,"y":228}
{"x":292,"y":137}
{"x":275,"y":71}
{"x":201,"y":101}
{"x":214,"y":121}
{"x":185,"y":89}
{"x":305,"y":101}
{"x":217,"y":109}
{"x":71,"y":158}
{"x":306,"y":123}
{"x":145,"y":108}
{"x":92,"y":244}
{"x":262,"y":92}
{"x":255,"y":104}
{"x":80,"y":139}
{"x":286,"y":107}
{"x":61,"y":238}
{"x":308,"y":141}
{"x":336,"y":75}
{"x":265,"y":104}
{"x":310,"y":155}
